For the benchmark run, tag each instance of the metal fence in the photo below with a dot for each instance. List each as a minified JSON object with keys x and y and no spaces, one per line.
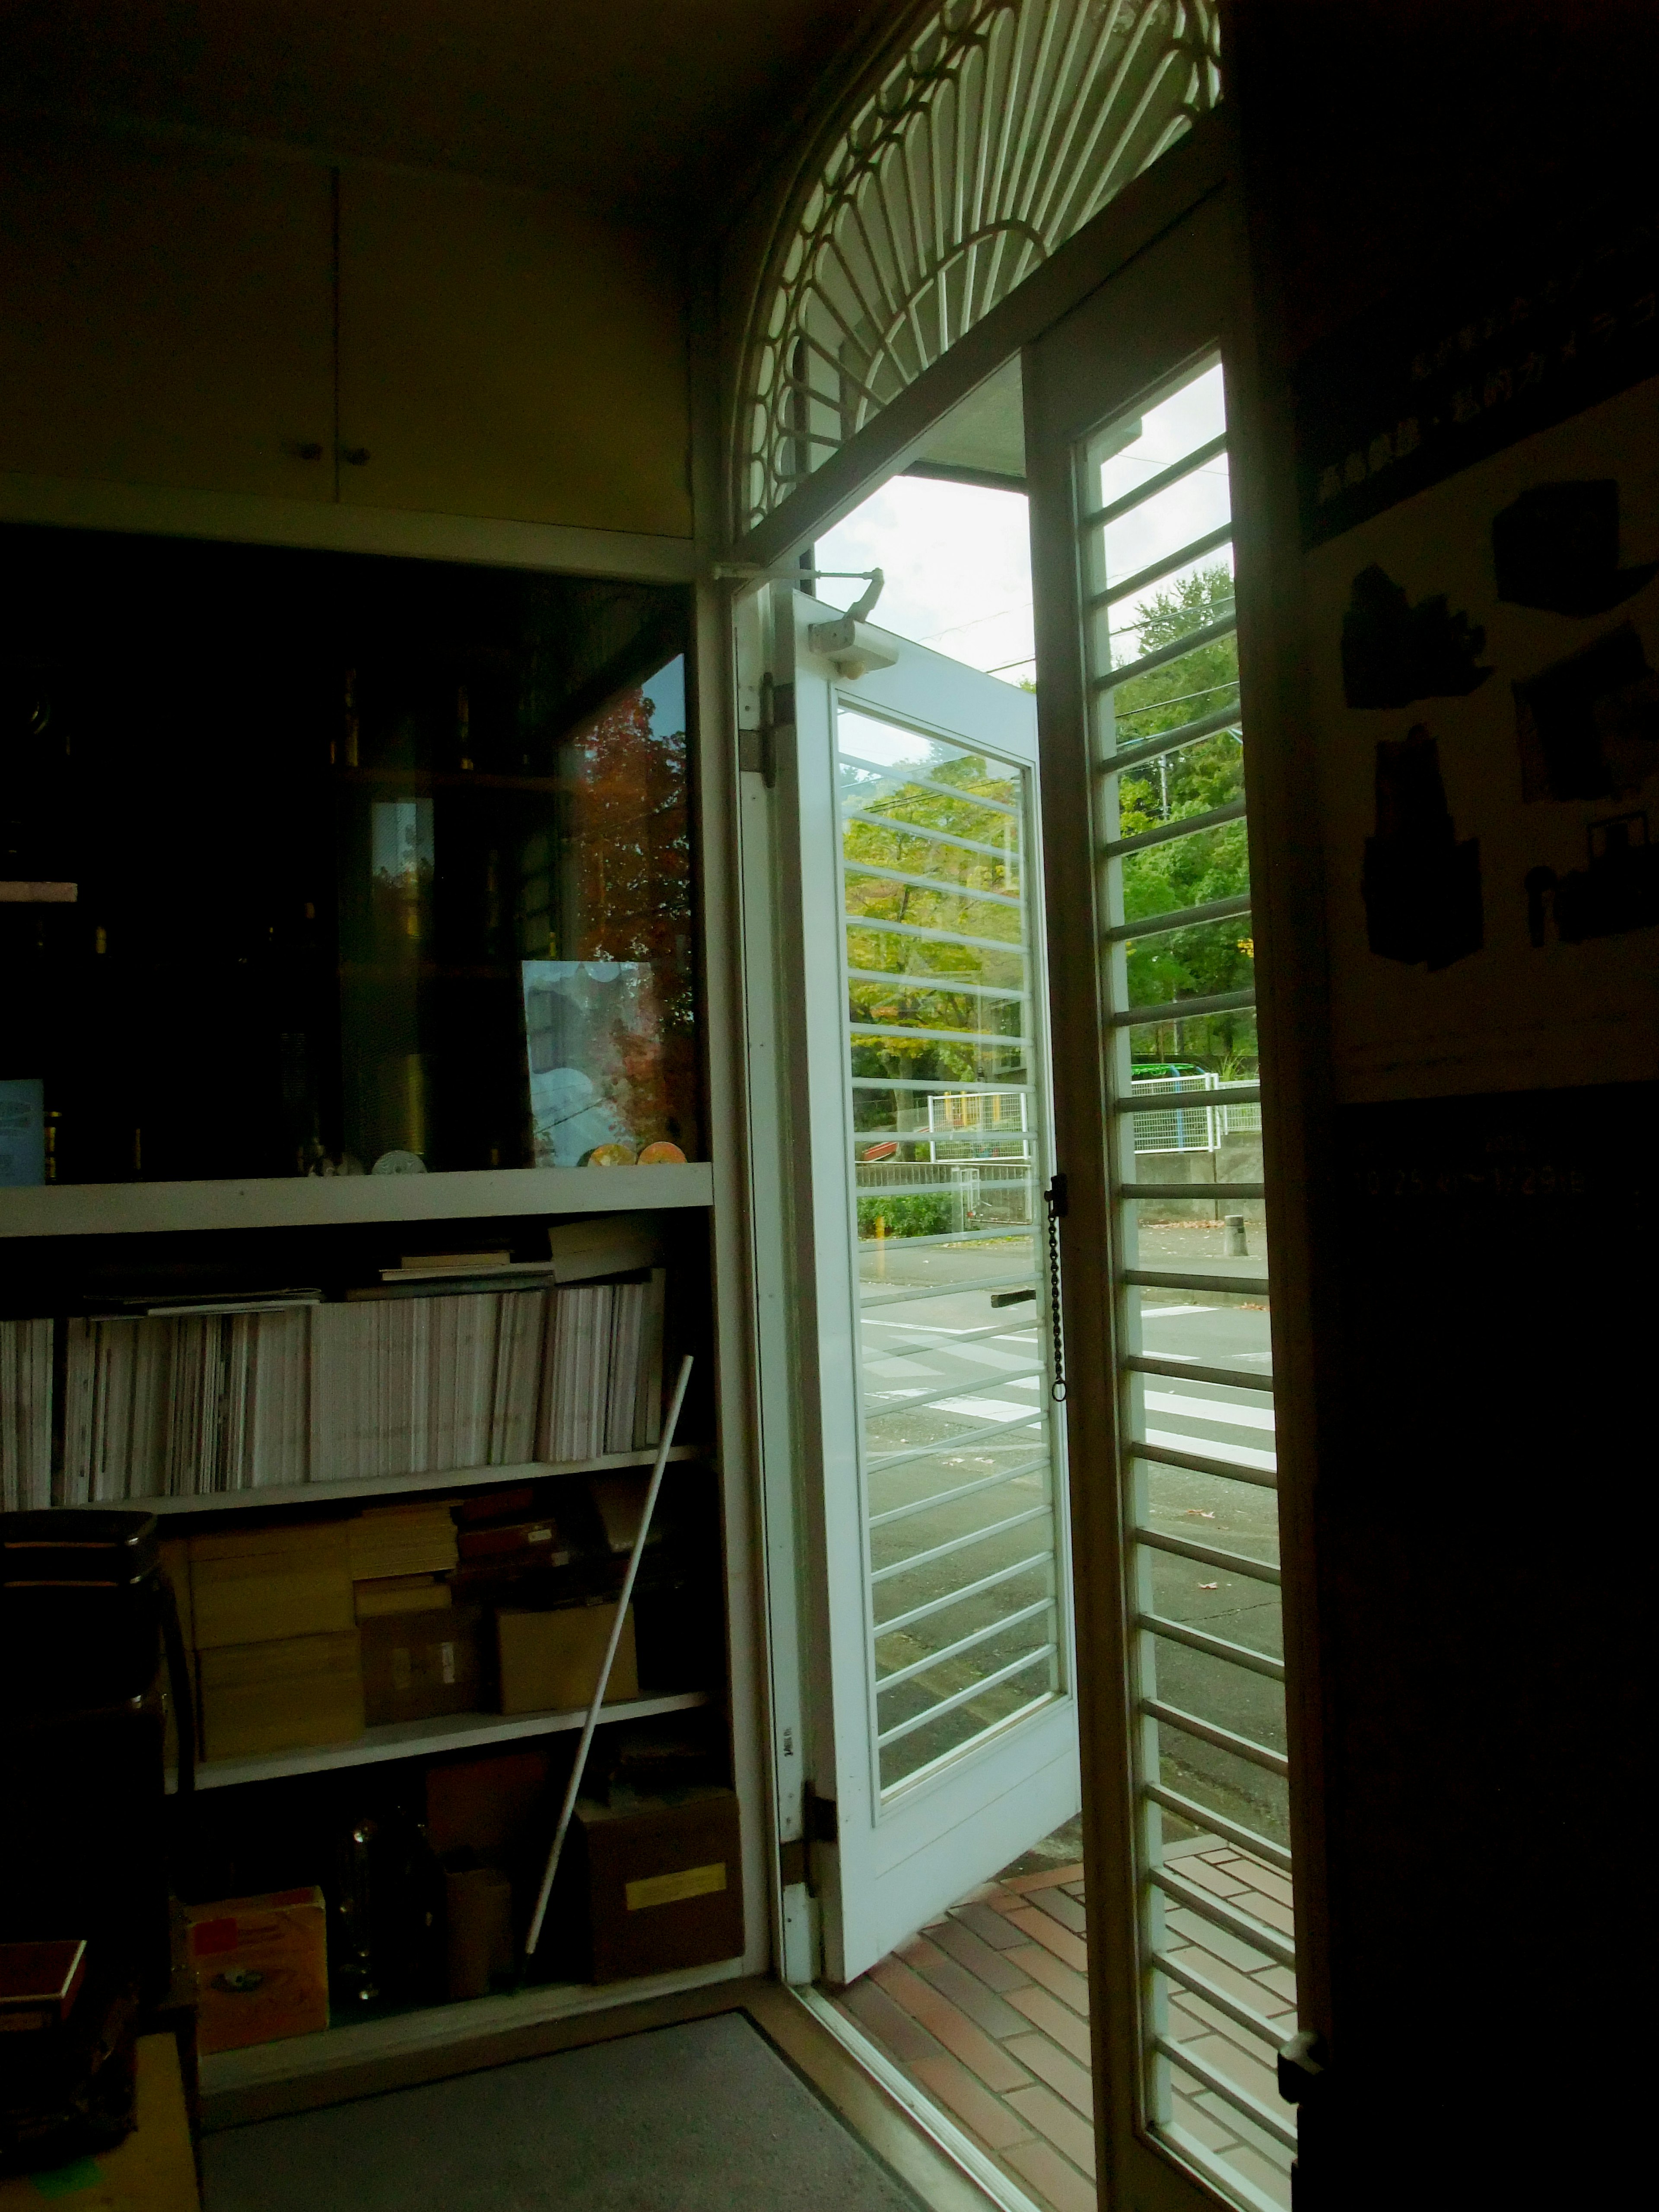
{"x":1198,"y":1127}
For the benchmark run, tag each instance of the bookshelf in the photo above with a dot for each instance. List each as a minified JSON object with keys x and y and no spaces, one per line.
{"x":312,"y":1495}
{"x":308,"y":1201}
{"x":415,"y":1739}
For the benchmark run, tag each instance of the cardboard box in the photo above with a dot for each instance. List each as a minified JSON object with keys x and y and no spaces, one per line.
{"x":254,"y":1585}
{"x":660,"y":1882}
{"x":402,"y":1540}
{"x":401,"y":1593}
{"x":498,"y":1808}
{"x":282,"y":1696}
{"x":176,"y":1559}
{"x":419,"y":1664}
{"x":550,"y":1662}
{"x":261,"y":1967}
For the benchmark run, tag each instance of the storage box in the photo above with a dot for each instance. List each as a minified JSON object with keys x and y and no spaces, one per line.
{"x":402,"y":1594}
{"x":402,"y":1540}
{"x":660,"y":1882}
{"x":419,"y":1664}
{"x":500,"y":1809}
{"x":281,"y":1696}
{"x":550,"y":1662}
{"x":261,"y":1967}
{"x":252,"y":1586}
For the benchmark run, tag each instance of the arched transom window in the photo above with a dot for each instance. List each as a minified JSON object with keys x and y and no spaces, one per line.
{"x":1002,"y":128}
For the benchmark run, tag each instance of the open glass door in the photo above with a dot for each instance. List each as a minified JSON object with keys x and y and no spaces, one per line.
{"x":937,"y":1688}
{"x":1160,"y":1093}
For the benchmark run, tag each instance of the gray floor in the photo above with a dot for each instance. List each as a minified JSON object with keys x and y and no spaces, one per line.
{"x":702,"y":2115}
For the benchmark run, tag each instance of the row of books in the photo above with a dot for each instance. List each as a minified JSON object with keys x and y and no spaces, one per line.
{"x":25,"y":1415}
{"x":188,"y":1404}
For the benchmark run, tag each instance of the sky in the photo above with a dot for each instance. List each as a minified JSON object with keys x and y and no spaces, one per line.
{"x":957,"y":558}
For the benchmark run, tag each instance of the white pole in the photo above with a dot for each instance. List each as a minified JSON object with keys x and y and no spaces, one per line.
{"x":573,"y":1788}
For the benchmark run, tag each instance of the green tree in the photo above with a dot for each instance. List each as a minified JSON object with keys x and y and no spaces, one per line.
{"x":1191,"y":780}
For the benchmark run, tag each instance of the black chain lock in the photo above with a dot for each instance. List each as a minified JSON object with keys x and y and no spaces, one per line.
{"x":1055,"y":1200}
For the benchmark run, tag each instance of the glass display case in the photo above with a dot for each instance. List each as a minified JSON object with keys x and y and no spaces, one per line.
{"x":317,"y":863}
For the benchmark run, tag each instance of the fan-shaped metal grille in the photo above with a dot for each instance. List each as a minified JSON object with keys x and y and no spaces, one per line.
{"x":1007,"y":125}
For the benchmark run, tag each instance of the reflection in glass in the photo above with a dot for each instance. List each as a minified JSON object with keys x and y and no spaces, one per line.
{"x":948,"y":1168}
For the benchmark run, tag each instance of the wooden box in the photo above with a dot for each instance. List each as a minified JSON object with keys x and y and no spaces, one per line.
{"x":282,"y":1696}
{"x":550,"y":1662}
{"x":261,"y":1967}
{"x":660,"y":1882}
{"x":419,"y":1664}
{"x":252,"y":1586}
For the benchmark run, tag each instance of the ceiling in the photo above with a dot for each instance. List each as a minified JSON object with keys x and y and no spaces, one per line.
{"x":645,"y":107}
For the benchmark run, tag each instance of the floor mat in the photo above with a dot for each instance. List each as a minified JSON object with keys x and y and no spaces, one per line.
{"x":704,"y":2115}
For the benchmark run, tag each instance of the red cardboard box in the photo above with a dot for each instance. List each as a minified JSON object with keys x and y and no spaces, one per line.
{"x":261,"y":1967}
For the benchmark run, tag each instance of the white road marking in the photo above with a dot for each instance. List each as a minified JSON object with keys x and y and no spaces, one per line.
{"x":1175,"y":1440}
{"x":1210,"y":1409}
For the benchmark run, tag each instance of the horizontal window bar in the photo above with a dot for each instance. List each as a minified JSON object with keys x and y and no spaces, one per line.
{"x":923,"y":1291}
{"x":1282,"y":2130}
{"x":957,"y":1336}
{"x":898,"y":979}
{"x":957,"y":1086}
{"x":1189,"y":1370}
{"x":1206,"y":1819}
{"x":1195,"y":1463}
{"x":1241,"y":1747}
{"x":957,"y":1544}
{"x":945,"y":1036}
{"x":1216,"y":1190}
{"x":1209,"y":1555}
{"x":1240,"y":1094}
{"x":949,"y":1497}
{"x":968,"y":1643}
{"x":926,"y":783}
{"x":1242,"y":2016}
{"x":1156,"y":925}
{"x":1124,"y":759}
{"x":1220,"y":1914}
{"x":975,"y":1383}
{"x":1208,"y":634}
{"x":961,"y":1596}
{"x":1164,"y":566}
{"x":963,"y":1697}
{"x":1169,"y":1279}
{"x":1218,"y":1647}
{"x":938,"y":936}
{"x":1185,"y":825}
{"x":1181,"y":1009}
{"x":1184,"y":467}
{"x":965,"y":1237}
{"x":926,"y":884}
{"x":925,"y":829}
{"x":883,"y":1463}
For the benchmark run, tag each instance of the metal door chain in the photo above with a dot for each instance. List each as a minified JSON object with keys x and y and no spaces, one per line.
{"x":1055,"y":1200}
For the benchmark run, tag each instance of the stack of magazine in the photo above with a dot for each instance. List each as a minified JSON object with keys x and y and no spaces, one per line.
{"x":183,"y":1405}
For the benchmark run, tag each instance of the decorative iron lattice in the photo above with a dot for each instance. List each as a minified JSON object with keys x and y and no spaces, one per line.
{"x":1005,"y":127}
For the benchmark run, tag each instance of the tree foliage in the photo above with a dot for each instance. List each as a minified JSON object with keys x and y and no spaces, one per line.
{"x":1193,"y":780}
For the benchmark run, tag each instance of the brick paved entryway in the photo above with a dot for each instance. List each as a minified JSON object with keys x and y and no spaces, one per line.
{"x":988,"y":2011}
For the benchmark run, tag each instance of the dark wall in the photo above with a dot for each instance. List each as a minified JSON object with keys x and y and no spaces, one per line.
{"x":1483,"y":1356}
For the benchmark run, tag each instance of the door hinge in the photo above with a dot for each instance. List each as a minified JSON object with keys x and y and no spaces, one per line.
{"x":757,"y":749}
{"x":791,"y":1862}
{"x":818,"y":1816}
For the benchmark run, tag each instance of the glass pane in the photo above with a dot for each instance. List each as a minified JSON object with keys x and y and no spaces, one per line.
{"x":1203,"y":958}
{"x":417,"y":885}
{"x":1235,"y":1788}
{"x":1216,"y":1690}
{"x":947,"y":1170}
{"x":1137,"y":449}
{"x":1195,"y":1046}
{"x":1207,"y":1327}
{"x":1210,"y":1508}
{"x":1191,"y":507}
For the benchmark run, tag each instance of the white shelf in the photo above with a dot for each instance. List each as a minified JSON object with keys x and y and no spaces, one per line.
{"x":84,"y":1209}
{"x":389,"y":1486}
{"x":412,"y":1739}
